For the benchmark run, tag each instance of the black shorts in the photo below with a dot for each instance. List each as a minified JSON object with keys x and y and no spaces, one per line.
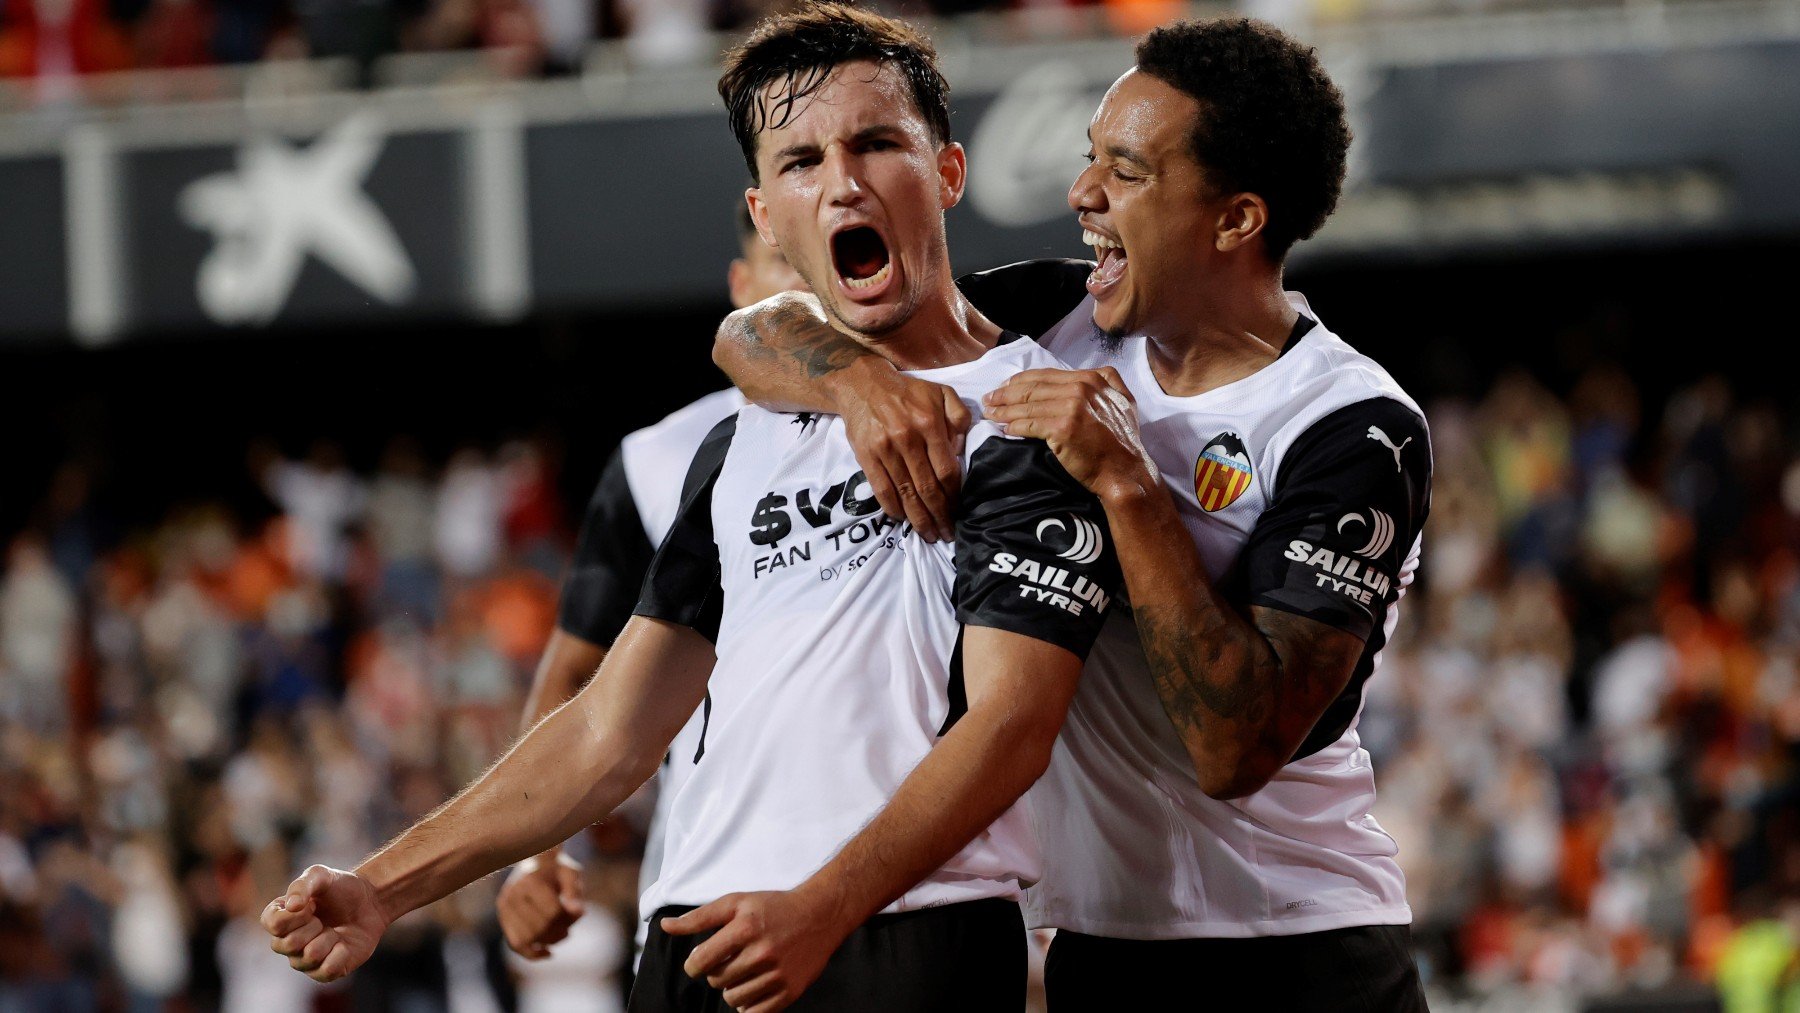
{"x":1365,"y":969}
{"x":967,"y":956}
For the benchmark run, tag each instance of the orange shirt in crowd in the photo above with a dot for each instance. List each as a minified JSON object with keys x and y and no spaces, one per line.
{"x":43,"y":38}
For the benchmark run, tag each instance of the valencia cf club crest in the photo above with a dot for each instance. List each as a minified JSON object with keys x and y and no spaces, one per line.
{"x":1222,"y":473}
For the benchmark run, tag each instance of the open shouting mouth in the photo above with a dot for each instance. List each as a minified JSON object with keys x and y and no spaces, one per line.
{"x":1110,"y":262}
{"x":860,"y":256}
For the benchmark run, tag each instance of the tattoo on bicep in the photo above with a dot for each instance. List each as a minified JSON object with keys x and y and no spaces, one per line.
{"x":817,"y":346}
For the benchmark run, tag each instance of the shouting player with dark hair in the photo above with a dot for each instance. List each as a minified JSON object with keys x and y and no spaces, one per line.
{"x":1206,"y":821}
{"x":851,"y":828}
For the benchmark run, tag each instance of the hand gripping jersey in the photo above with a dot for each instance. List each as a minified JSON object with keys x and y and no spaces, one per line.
{"x":631,"y":510}
{"x":1304,"y":486}
{"x":838,"y":633}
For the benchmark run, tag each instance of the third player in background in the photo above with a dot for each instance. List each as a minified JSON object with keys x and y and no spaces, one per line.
{"x":629,"y":513}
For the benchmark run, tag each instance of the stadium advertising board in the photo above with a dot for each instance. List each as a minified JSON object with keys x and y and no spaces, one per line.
{"x":359,"y":216}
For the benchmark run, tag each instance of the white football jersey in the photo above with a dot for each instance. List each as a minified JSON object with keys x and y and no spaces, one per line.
{"x":838,"y":637}
{"x":1304,"y":486}
{"x":657,"y":457}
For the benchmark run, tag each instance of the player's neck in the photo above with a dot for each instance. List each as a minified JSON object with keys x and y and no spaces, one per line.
{"x":1223,"y":333}
{"x":944,"y":330}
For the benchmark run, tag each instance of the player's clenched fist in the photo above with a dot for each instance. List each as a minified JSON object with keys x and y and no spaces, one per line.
{"x":539,"y":902}
{"x":326,"y":924}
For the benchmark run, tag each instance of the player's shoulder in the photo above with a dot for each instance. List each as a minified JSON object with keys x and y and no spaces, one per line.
{"x":1329,"y":384}
{"x":1030,"y":296}
{"x":683,"y":429}
{"x":1015,"y":354}
{"x":1341,"y":411}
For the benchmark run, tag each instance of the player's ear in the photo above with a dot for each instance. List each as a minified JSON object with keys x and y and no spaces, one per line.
{"x":1243,"y":218}
{"x":953,"y":174}
{"x":759,"y":216}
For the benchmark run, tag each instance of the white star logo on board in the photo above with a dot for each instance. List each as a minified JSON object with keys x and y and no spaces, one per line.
{"x":284,"y":204}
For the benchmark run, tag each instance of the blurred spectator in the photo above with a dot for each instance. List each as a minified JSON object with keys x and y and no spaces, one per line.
{"x":70,"y":524}
{"x":147,"y":927}
{"x":55,"y":40}
{"x":468,"y":516}
{"x":243,"y":29}
{"x":320,"y":498}
{"x":37,"y":638}
{"x":402,"y":513}
{"x":1759,"y":970}
{"x":567,"y":27}
{"x":174,"y":33}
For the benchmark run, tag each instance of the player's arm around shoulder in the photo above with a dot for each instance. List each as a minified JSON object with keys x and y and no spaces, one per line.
{"x":1332,"y":553}
{"x":907,"y":433}
{"x":1243,"y":687}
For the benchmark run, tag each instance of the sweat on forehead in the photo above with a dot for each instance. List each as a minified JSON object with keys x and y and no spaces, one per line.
{"x":785,"y":100}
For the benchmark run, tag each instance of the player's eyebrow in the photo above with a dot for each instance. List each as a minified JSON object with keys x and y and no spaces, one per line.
{"x":862,"y":136}
{"x":878,"y":130}
{"x":1120,"y":153}
{"x":796,"y":151}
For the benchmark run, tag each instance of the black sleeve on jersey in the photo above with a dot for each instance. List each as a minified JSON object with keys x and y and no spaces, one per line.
{"x":1350,"y":499}
{"x":683,"y":585}
{"x":1033,"y":555}
{"x":1031,"y":296}
{"x":611,"y":558}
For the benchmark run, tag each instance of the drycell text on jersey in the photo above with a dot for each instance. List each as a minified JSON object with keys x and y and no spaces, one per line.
{"x":1055,"y":586}
{"x":1341,"y":572}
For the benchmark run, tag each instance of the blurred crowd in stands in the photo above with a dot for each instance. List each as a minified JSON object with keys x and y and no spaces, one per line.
{"x":1586,"y":731}
{"x":59,"y":40}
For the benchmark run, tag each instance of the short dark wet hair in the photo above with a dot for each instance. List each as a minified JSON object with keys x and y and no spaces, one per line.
{"x":801,"y":48}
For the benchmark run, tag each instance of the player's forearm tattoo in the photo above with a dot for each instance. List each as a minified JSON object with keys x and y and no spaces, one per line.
{"x":1242,"y":694}
{"x":793,"y":330}
{"x":1206,"y":670}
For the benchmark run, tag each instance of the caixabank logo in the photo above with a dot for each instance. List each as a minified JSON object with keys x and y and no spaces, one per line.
{"x":284,"y":205}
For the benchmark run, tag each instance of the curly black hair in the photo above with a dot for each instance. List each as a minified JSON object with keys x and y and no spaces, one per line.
{"x":1271,"y":122}
{"x":801,"y":48}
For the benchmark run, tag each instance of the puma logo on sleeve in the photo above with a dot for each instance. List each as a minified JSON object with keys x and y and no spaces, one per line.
{"x":1380,"y":437}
